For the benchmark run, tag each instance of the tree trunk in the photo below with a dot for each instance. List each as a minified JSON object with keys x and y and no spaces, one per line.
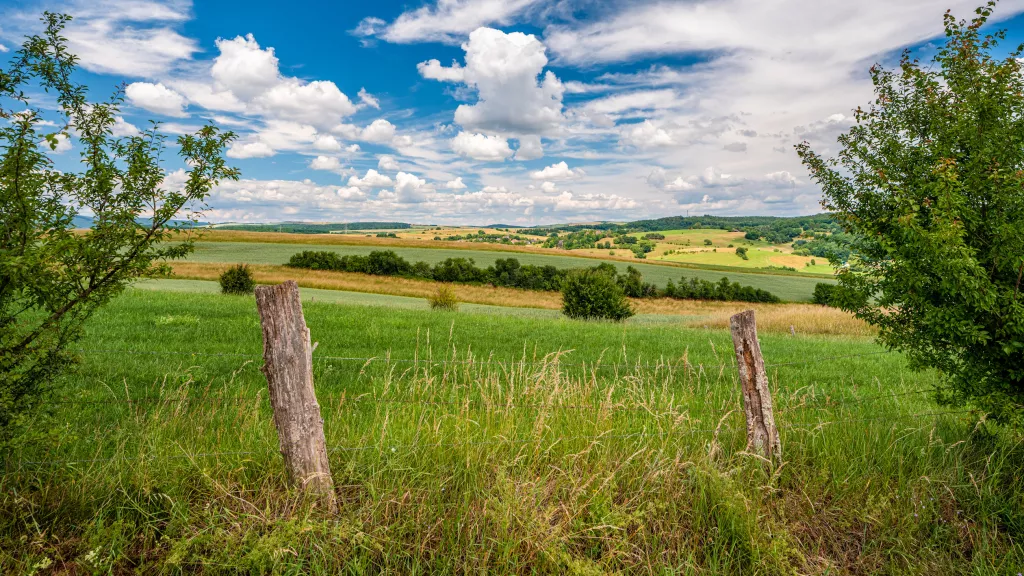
{"x":288,"y":366}
{"x":762,"y":435}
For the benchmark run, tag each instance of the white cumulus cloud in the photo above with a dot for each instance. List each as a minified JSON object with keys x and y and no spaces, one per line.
{"x":156,"y":98}
{"x":559,"y":171}
{"x":410,"y":189}
{"x":489,"y":148}
{"x":327,"y":163}
{"x":372,"y":179}
{"x":514,"y":93}
{"x":456,"y":184}
{"x":388,"y":163}
{"x":380,"y":131}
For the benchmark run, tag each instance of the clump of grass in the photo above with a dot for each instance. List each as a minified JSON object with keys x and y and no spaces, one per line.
{"x":444,"y":299}
{"x":237,"y":280}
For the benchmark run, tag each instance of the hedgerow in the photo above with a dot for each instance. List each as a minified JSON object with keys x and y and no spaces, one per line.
{"x":509,"y":273}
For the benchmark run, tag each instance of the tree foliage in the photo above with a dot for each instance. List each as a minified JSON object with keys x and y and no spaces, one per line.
{"x":237,"y":280}
{"x":51,"y":277}
{"x":930,"y":180}
{"x":594,"y":294}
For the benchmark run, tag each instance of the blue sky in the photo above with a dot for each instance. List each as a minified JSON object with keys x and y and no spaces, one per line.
{"x":512,"y":111}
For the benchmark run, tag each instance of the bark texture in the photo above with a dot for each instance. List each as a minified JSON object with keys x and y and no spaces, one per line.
{"x":288,"y":366}
{"x":762,"y":434}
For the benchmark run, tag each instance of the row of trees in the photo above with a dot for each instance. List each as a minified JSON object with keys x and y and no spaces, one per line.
{"x":509,"y":272}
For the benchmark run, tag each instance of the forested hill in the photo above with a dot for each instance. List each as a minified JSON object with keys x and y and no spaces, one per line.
{"x":815,"y":222}
{"x":772,"y":228}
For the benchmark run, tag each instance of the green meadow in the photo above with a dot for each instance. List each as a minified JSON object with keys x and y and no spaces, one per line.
{"x":788,"y":287}
{"x":486,"y":441}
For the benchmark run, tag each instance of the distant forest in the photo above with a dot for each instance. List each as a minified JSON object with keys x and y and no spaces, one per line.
{"x":774,"y":229}
{"x":306,"y":228}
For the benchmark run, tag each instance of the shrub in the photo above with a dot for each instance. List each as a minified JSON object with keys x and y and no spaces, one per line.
{"x":444,"y":300}
{"x":824,"y":294}
{"x":237,"y":280}
{"x":742,"y":253}
{"x":594,"y":294}
{"x":707,"y":242}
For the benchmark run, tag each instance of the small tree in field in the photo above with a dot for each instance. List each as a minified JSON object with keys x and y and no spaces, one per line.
{"x":52,"y":278}
{"x":237,"y":280}
{"x":444,"y":299}
{"x":931,"y":181}
{"x":593,"y":294}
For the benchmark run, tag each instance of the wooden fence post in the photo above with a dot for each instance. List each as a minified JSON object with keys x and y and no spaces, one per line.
{"x":288,"y":366}
{"x":762,"y":435}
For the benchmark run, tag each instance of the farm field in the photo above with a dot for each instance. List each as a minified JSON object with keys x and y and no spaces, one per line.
{"x":507,"y":437}
{"x":687,"y":247}
{"x":351,"y":288}
{"x":788,"y":287}
{"x":756,"y":258}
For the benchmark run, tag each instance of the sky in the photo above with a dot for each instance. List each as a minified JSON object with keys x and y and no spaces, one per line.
{"x":476,"y":112}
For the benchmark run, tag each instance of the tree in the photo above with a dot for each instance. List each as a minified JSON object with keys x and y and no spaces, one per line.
{"x":53,"y":278}
{"x":237,"y":280}
{"x":824,"y":294}
{"x":930,"y":180}
{"x":594,"y":294}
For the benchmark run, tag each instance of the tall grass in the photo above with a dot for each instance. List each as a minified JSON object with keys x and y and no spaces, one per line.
{"x":483,"y":444}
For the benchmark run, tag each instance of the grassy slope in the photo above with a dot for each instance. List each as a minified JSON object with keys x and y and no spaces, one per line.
{"x":868,"y":486}
{"x":792,"y":288}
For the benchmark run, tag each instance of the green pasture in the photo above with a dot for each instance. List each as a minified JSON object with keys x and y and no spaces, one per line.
{"x":788,"y":287}
{"x":696,"y":237}
{"x":497,"y":443}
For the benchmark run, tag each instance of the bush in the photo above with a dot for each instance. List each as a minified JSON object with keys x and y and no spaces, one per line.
{"x":444,"y":300}
{"x":824,"y":294}
{"x":742,"y":253}
{"x":237,"y":280}
{"x":593,"y":294}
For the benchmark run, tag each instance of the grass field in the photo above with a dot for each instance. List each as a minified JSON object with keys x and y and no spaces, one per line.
{"x":788,"y":287}
{"x":756,"y":258}
{"x":482,"y":441}
{"x":805,"y":318}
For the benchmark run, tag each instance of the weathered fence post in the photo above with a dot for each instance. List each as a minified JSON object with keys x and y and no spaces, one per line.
{"x":762,"y":435}
{"x":288,"y":366}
